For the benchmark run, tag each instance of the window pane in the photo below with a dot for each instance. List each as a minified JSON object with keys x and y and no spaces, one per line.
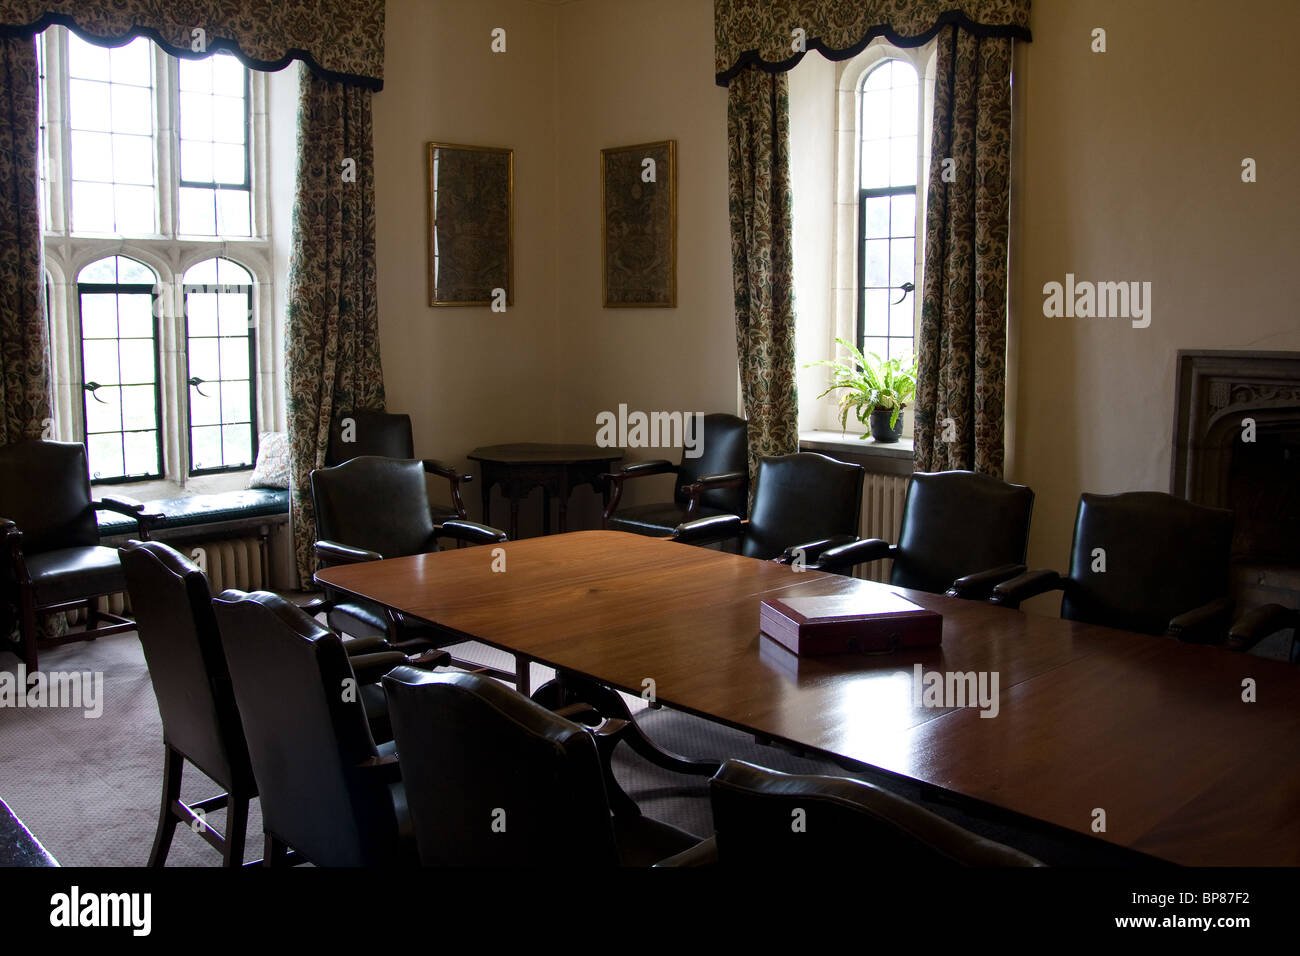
{"x":228,"y":119}
{"x":227,"y":76}
{"x":99,"y":361}
{"x":138,"y":409}
{"x":238,"y":445}
{"x":201,"y":309}
{"x":232,"y":308}
{"x":205,"y":447}
{"x":877,"y":218}
{"x":235,"y":403}
{"x":98,"y":316}
{"x":105,"y":454}
{"x":902,"y":111}
{"x":233,"y":216}
{"x":875,"y":115}
{"x":89,"y":105}
{"x":902,"y":315}
{"x":902,"y":215}
{"x":230,"y":272}
{"x":104,"y":410}
{"x":196,"y":117}
{"x":875,"y":164}
{"x":228,"y":165}
{"x":198,"y":212}
{"x":234,"y":365}
{"x":878,"y":347}
{"x":141,"y":453}
{"x":205,"y":409}
{"x":875,"y":270}
{"x":195,"y":75}
{"x":92,"y":207}
{"x":196,"y":161}
{"x":132,"y":109}
{"x":901,"y":261}
{"x":101,"y":270}
{"x":902,"y":162}
{"x":137,"y":361}
{"x":204,"y":363}
{"x":133,"y":208}
{"x":876,"y":313}
{"x":206,"y":272}
{"x":86,"y":59}
{"x":135,"y":315}
{"x":130,"y":63}
{"x":133,"y":159}
{"x":90,"y":156}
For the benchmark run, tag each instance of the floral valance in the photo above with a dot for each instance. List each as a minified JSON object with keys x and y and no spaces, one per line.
{"x":765,"y":33}
{"x":341,"y":40}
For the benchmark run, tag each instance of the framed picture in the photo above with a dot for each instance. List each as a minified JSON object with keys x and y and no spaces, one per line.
{"x":471,"y":225}
{"x":638,"y":189}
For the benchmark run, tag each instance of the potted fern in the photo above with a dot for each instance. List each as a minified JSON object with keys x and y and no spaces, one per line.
{"x":876,"y":390}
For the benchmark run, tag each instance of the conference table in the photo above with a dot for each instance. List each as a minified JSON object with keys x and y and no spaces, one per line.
{"x":1191,"y":754}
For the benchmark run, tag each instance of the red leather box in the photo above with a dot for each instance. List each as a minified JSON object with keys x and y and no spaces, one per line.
{"x":849,"y":624}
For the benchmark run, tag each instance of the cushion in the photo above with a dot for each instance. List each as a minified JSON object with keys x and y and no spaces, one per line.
{"x":71,"y":574}
{"x":272,"y":468}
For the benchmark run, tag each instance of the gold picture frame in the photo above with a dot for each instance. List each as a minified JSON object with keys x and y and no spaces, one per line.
{"x":638,"y":215}
{"x":471,"y":225}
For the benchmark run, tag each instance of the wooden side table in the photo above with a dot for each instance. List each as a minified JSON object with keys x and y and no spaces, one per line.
{"x":555,"y":468}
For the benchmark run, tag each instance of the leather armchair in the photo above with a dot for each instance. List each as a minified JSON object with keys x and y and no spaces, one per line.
{"x":717,"y":482}
{"x":326,"y":790}
{"x":961,"y":534}
{"x":1166,"y":568}
{"x":753,"y":807}
{"x":804,"y":505}
{"x":50,"y":556}
{"x":475,"y":753}
{"x":371,"y":508}
{"x":389,"y":435}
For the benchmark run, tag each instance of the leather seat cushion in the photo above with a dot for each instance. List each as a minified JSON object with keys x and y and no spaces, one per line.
{"x":202,"y":509}
{"x":72,"y":574}
{"x":656,"y":519}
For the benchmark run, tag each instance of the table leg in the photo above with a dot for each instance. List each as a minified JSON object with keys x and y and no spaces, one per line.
{"x":514,"y":511}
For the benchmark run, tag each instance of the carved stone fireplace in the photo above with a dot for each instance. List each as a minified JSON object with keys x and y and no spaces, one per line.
{"x":1237,"y":445}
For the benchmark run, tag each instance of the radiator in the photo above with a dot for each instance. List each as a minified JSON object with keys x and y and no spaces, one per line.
{"x":882,"y":514}
{"x":228,"y":562}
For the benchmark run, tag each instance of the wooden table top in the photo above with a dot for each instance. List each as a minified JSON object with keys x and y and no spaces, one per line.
{"x":528,"y":452}
{"x":1152,"y":731}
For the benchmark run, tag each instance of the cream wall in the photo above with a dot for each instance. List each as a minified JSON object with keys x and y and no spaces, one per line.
{"x":1129,"y":167}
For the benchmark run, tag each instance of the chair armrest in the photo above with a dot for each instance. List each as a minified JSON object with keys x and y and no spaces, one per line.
{"x":432,"y":466}
{"x":1258,"y":623}
{"x":640,"y":469}
{"x":845,"y":556}
{"x":1207,"y":624}
{"x":709,"y":530}
{"x":696,"y":489}
{"x":121,"y":504}
{"x":470,"y":532}
{"x":369,"y":668}
{"x":979,"y":586}
{"x":704,"y":853}
{"x":382,"y":769}
{"x":332,"y":552}
{"x":11,"y":540}
{"x":1024,"y":586}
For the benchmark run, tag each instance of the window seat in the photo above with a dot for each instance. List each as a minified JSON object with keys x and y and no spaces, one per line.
{"x":230,"y":510}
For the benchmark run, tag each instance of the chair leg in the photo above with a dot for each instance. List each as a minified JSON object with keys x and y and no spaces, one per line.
{"x":236,"y":831}
{"x":173,"y":768}
{"x":29,"y":630}
{"x":92,"y":617}
{"x":275,"y":853}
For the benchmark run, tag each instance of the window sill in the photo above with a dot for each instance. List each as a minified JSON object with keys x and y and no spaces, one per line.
{"x":891,"y":457}
{"x":166,"y":488}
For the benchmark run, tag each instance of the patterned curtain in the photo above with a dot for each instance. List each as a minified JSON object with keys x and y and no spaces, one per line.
{"x":339,"y":39}
{"x":758,"y":130}
{"x":774,"y":35}
{"x":332,"y":330}
{"x":961,"y":373}
{"x":24,"y":335}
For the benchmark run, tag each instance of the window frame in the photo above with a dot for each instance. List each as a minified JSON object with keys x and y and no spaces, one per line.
{"x":121,"y":288}
{"x":168,"y":253}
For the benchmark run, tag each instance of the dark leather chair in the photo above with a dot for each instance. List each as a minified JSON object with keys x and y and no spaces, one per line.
{"x":372,"y":508}
{"x":717,"y":482}
{"x":1166,"y":568}
{"x":762,"y":818}
{"x":326,"y":790}
{"x":493,"y":779}
{"x":804,"y":504}
{"x":187,"y":666}
{"x":53,"y":560}
{"x":389,"y":435}
{"x":961,"y":533}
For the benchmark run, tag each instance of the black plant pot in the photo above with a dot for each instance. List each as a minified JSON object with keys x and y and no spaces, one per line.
{"x":880,"y":429}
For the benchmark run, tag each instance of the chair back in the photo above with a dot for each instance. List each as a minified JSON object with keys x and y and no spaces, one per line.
{"x":494,"y":779}
{"x":1163,"y":556}
{"x":187,"y":665}
{"x":45,"y":490}
{"x":957,"y":523}
{"x":724,"y":448}
{"x":769,"y":819}
{"x":801,"y":498}
{"x":379,"y":504}
{"x":371,"y":432}
{"x":307,"y":733}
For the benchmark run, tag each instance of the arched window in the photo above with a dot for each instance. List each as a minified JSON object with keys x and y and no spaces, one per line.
{"x":889,"y":170}
{"x":119,"y":369}
{"x":220,"y":358}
